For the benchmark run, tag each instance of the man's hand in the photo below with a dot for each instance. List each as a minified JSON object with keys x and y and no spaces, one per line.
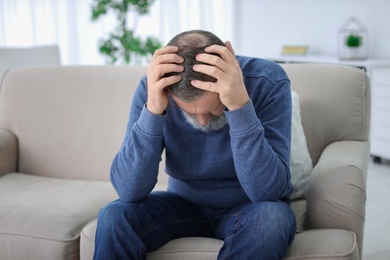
{"x":164,"y":61}
{"x":229,"y":85}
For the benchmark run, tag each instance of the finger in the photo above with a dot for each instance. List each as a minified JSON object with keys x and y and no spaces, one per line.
{"x":229,"y":45}
{"x":167,"y":54}
{"x":162,"y":82}
{"x":208,"y":86}
{"x":168,"y":58}
{"x":165,"y":50}
{"x":213,"y":71}
{"x":209,"y":59}
{"x":165,"y":82}
{"x":161,"y":70}
{"x":170,"y":68}
{"x":223,"y":51}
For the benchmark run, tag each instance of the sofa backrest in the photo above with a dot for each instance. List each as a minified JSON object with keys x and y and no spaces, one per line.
{"x":335,"y":103}
{"x":69,"y":120}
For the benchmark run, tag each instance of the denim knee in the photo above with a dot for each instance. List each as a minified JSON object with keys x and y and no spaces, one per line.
{"x":263,"y":229}
{"x":113,"y":228}
{"x":110,"y":215}
{"x":275,"y":221}
{"x":107,"y":210}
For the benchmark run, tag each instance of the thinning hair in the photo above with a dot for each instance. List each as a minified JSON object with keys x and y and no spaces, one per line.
{"x":191,"y":43}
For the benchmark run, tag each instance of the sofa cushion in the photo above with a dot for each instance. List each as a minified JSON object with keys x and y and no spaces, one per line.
{"x":182,"y":248}
{"x":69,"y":120}
{"x":44,"y":216}
{"x":300,"y":162}
{"x":312,"y":244}
{"x":315,"y":244}
{"x":189,"y":248}
{"x":207,"y":247}
{"x":335,"y":103}
{"x":87,"y":240}
{"x":324,"y":244}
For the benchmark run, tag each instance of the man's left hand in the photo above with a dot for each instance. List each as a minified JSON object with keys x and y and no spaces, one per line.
{"x":226,"y":70}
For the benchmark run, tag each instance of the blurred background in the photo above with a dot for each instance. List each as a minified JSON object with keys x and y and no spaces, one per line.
{"x":255,"y":27}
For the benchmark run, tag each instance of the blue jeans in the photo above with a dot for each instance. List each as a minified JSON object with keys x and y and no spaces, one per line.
{"x":250,"y":231}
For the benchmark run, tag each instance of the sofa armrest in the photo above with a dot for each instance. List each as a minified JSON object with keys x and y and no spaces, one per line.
{"x":337,"y":188}
{"x":8,"y":152}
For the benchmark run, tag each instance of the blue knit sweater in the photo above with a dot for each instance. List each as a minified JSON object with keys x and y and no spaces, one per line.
{"x":246,"y":160}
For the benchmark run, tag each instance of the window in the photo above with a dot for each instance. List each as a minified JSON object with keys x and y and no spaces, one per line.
{"x":68,"y":24}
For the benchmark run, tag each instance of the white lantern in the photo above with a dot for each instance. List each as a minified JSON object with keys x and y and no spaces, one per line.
{"x":353,"y":40}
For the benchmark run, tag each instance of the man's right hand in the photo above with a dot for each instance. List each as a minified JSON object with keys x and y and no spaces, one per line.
{"x":165,"y":60}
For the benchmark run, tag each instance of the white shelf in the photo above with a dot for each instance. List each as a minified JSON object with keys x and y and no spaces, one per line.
{"x":375,"y":62}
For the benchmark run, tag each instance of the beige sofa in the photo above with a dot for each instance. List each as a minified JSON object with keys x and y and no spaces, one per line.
{"x":61,"y":126}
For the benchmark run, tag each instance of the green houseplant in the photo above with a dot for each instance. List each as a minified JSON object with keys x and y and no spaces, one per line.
{"x":353,"y":43}
{"x":353,"y":40}
{"x":122,"y":45}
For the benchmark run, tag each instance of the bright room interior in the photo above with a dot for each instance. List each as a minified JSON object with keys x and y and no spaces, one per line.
{"x":255,"y":28}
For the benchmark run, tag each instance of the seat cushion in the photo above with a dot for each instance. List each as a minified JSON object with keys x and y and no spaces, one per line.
{"x":189,"y":248}
{"x":315,"y":244}
{"x":311,"y":244}
{"x":87,"y":240}
{"x":183,"y":248}
{"x":324,"y":244}
{"x":44,"y":216}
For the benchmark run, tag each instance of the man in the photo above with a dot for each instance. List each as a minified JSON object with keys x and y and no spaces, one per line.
{"x":225,"y":124}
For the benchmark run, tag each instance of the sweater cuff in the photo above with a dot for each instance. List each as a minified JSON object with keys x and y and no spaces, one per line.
{"x":243,"y":119}
{"x":151,"y":124}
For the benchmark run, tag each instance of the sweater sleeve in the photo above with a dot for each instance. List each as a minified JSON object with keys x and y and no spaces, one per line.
{"x":135,"y":167}
{"x":260,"y":141}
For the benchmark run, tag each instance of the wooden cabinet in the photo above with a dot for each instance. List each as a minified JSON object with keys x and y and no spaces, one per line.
{"x":380,"y":113}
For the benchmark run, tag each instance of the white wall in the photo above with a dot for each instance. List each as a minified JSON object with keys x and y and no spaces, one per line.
{"x":267,"y":25}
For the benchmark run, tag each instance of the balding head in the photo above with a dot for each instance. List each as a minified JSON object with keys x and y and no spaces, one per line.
{"x":190,"y":44}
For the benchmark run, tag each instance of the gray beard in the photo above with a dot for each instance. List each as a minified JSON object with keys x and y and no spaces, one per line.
{"x":215,"y":123}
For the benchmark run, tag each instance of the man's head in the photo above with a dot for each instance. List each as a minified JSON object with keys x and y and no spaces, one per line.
{"x":202,"y":109}
{"x":191,"y":43}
